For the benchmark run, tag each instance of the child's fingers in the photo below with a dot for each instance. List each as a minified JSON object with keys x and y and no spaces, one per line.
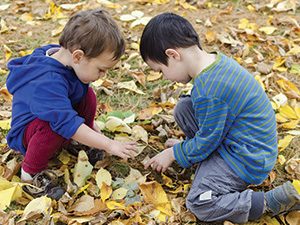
{"x":148,"y":163}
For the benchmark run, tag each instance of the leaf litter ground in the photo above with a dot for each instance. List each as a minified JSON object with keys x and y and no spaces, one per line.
{"x":263,"y":37}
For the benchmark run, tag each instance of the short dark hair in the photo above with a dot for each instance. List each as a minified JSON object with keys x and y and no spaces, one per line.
{"x":93,"y":31}
{"x":166,"y":30}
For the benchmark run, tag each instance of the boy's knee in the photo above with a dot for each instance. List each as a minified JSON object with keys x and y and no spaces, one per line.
{"x":181,"y":107}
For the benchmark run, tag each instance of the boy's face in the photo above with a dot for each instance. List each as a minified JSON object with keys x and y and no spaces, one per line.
{"x":175,"y":71}
{"x":90,"y":70}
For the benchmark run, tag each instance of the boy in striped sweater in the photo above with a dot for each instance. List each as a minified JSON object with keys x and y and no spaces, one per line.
{"x":229,"y":124}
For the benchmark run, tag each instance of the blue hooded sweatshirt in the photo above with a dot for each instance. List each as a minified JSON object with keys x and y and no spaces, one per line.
{"x":43,"y":88}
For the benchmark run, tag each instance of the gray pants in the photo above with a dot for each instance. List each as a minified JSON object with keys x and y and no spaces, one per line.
{"x":217,"y":193}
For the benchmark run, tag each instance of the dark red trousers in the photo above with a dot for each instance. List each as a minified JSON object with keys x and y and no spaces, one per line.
{"x":42,"y":143}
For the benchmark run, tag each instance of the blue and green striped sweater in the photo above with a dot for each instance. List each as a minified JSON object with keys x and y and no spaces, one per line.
{"x":235,"y":118}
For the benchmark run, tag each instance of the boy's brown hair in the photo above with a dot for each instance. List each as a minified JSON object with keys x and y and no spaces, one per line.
{"x":93,"y":31}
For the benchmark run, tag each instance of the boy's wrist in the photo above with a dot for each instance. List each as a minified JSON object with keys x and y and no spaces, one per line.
{"x":171,"y":153}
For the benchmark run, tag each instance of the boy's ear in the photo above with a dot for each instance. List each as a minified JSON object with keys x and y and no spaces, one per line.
{"x":77,"y":55}
{"x":172,"y":53}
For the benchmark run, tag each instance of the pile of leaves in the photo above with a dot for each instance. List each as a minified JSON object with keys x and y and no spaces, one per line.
{"x":136,"y":104}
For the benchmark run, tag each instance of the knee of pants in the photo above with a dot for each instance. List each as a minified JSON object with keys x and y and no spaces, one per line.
{"x":201,"y":211}
{"x":181,"y":107}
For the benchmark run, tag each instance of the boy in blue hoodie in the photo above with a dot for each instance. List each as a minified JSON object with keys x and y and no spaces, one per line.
{"x":52,"y":100}
{"x":229,"y":124}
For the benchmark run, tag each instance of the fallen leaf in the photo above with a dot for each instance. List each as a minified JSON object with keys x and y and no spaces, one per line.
{"x":119,"y":194}
{"x":83,"y":204}
{"x":152,"y":76}
{"x":284,"y":143}
{"x":149,"y":112}
{"x":112,"y":205}
{"x":154,"y":194}
{"x":116,"y":124}
{"x":293,"y":218}
{"x":103,"y":176}
{"x":82,"y":169}
{"x":41,"y":205}
{"x":105,"y":191}
{"x":139,"y":133}
{"x":9,"y":194}
{"x":131,"y":86}
{"x":268,"y":30}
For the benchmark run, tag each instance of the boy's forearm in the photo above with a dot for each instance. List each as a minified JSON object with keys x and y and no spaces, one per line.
{"x":89,"y":137}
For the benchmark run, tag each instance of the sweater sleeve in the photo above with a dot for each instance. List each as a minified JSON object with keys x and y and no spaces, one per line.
{"x":50,"y":102}
{"x":214,"y":121}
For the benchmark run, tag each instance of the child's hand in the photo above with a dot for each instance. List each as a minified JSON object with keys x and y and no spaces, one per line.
{"x":161,"y":161}
{"x":124,"y":150}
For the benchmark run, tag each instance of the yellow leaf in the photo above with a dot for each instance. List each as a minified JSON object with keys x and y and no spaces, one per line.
{"x":103,"y":176}
{"x":149,"y":112}
{"x":288,"y":112}
{"x":37,"y":206}
{"x":139,"y":133}
{"x":294,"y":51}
{"x":280,"y":118}
{"x":82,"y":169}
{"x":279,"y":62}
{"x":284,"y":143}
{"x":281,"y":159}
{"x":243,"y":23}
{"x":119,"y":194}
{"x":131,"y":86}
{"x":290,"y":125}
{"x":297,"y":109}
{"x":112,"y":205}
{"x":116,"y":124}
{"x":288,"y":86}
{"x":154,"y":194}
{"x":296,"y":184}
{"x":64,"y":157}
{"x":268,"y":30}
{"x":8,"y":52}
{"x":210,"y":36}
{"x":105,"y":191}
{"x":8,"y":195}
{"x":153,"y":76}
{"x":5,"y":124}
{"x":167,"y":181}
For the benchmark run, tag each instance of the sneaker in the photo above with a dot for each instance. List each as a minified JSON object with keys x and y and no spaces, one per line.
{"x":45,"y":183}
{"x":283,"y":198}
{"x":93,"y":154}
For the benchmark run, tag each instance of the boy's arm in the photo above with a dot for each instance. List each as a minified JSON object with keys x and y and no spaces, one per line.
{"x":214,"y":121}
{"x":88,"y":136}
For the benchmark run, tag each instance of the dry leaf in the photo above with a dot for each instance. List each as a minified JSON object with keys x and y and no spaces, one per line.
{"x":116,"y":124}
{"x":105,"y":191}
{"x":293,"y":218}
{"x":103,"y":176}
{"x":154,"y":194}
{"x":41,"y":205}
{"x":82,"y":169}
{"x":131,"y":86}
{"x":119,"y":194}
{"x":83,"y":204}
{"x":284,"y":143}
{"x":139,"y":133}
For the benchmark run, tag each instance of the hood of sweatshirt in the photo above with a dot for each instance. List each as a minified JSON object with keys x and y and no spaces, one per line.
{"x":30,"y":67}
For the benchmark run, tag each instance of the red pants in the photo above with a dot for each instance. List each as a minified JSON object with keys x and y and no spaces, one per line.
{"x":42,"y":143}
